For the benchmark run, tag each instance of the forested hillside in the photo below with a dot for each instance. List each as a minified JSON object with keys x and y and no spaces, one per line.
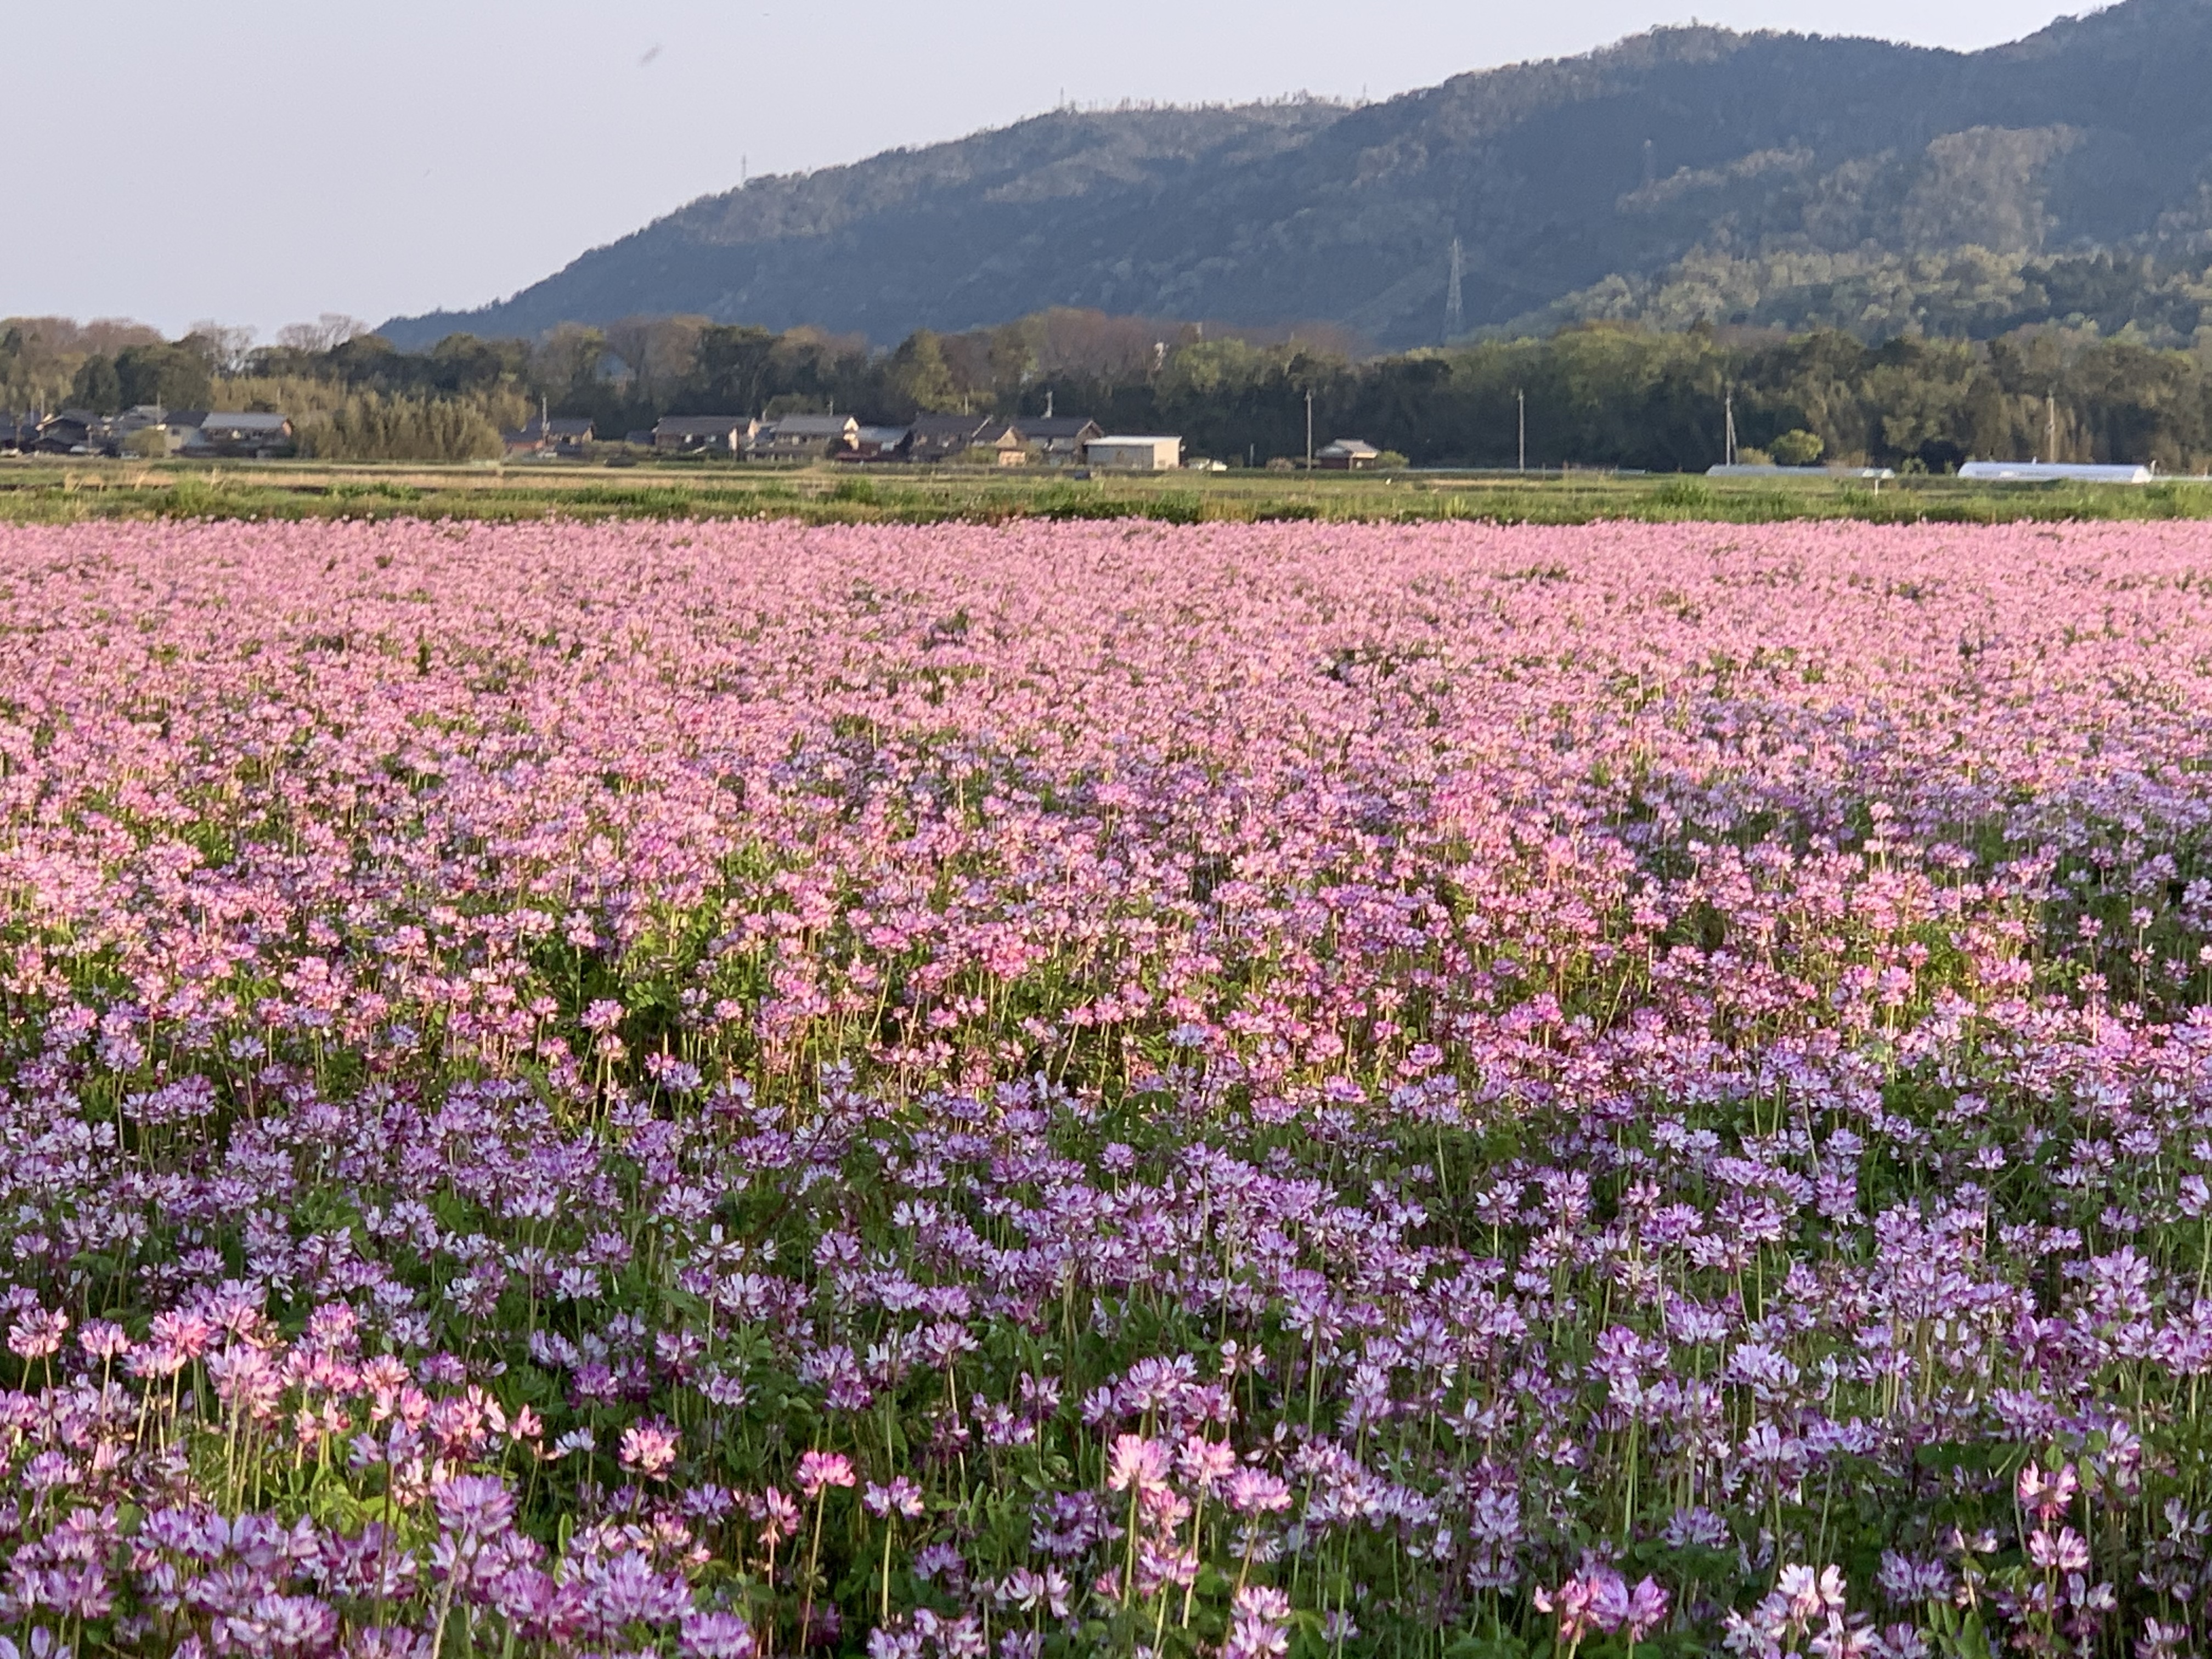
{"x":1797,"y":166}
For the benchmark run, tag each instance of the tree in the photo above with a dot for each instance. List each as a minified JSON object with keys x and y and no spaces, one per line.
{"x":331,"y":329}
{"x":373,"y":428}
{"x":732,"y":374}
{"x":918,"y":376}
{"x":173,"y":376}
{"x":462,"y":363}
{"x":363,"y":359}
{"x":96,"y":386}
{"x":1797,"y":447}
{"x":227,"y":347}
{"x":566,"y":364}
{"x":658,"y":351}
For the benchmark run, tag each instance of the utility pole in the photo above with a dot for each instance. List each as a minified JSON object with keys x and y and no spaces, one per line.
{"x":1728,"y":438}
{"x":1454,"y":315}
{"x":1309,"y":428}
{"x":2050,"y":423}
{"x":1521,"y":404}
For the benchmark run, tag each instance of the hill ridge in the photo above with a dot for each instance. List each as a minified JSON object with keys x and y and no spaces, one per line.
{"x":1557,"y":175}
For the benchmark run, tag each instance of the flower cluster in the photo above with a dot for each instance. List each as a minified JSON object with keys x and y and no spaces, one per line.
{"x":731,"y":1090}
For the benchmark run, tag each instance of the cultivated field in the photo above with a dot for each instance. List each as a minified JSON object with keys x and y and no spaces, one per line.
{"x":1105,"y":1088}
{"x":56,"y":492}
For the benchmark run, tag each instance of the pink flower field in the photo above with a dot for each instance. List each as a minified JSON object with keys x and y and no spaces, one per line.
{"x":1244,"y":1090}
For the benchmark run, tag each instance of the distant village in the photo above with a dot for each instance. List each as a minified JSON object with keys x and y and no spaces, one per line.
{"x":149,"y":432}
{"x":1047,"y":440}
{"x":1071,"y":442}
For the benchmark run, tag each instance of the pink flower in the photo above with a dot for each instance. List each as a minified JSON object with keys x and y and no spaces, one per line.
{"x":717,"y":1636}
{"x":1572,"y":1602}
{"x":820,"y":1470}
{"x":648,"y":1449}
{"x":901,"y":1497}
{"x":1138,"y":1462}
{"x":38,"y":1334}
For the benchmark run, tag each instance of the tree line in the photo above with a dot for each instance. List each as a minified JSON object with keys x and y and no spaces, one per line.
{"x":1600,"y":394}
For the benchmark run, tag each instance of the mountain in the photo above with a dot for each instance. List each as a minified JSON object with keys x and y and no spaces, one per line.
{"x":1556,"y":178}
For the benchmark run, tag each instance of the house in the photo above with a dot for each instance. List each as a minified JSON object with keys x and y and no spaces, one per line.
{"x":233,"y":431}
{"x":140,"y":430}
{"x":712,"y":434}
{"x":72,"y":432}
{"x":556,"y":436}
{"x":934,"y":438}
{"x":1134,"y":454}
{"x":803,"y":438}
{"x":874,"y":443}
{"x":1056,"y":440}
{"x":2051,"y":471}
{"x":1347,"y":455}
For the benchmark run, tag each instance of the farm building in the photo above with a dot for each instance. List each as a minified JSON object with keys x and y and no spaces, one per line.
{"x":1765,"y":470}
{"x":1003,"y":442}
{"x":1134,"y":454}
{"x":1347,"y":455}
{"x":2050,"y":471}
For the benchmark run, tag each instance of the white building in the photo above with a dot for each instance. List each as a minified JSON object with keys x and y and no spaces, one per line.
{"x":2047,"y":471}
{"x":1129,"y":454}
{"x":1751,"y":469}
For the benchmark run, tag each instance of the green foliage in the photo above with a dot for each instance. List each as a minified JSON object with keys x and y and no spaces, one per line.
{"x":1600,"y":394}
{"x":1797,"y":447}
{"x":1961,"y":292}
{"x":371,"y":427}
{"x":97,"y":387}
{"x":731,"y":372}
{"x":173,"y":376}
{"x":918,"y":378}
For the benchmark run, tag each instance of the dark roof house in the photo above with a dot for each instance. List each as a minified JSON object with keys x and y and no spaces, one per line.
{"x":804,"y":437}
{"x":240,"y":431}
{"x":1057,"y":439}
{"x":561,"y":435}
{"x":940,"y":437}
{"x":726,"y":434}
{"x":874,"y":443}
{"x":68,"y":432}
{"x":1347,"y":455}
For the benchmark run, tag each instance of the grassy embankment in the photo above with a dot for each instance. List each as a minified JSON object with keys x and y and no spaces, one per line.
{"x":60,"y":492}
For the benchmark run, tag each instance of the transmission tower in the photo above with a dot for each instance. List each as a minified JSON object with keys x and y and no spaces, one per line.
{"x":1455,"y":317}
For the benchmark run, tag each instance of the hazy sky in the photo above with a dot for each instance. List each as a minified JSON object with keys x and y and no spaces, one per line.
{"x":261,"y":165}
